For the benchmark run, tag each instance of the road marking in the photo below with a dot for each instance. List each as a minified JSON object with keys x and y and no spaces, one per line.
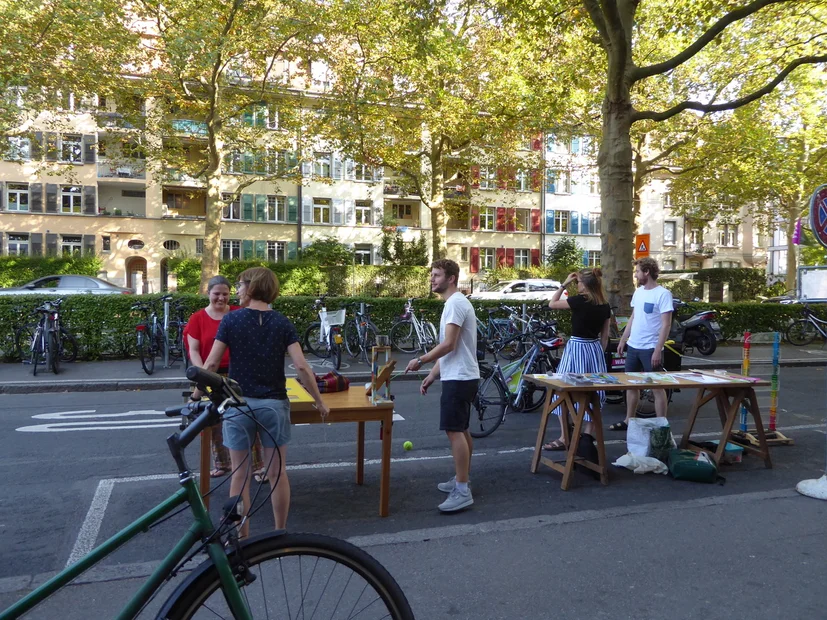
{"x":92,"y":523}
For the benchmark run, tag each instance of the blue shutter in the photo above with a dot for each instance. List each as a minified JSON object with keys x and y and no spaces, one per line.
{"x":584,"y":223}
{"x":291,"y":250}
{"x":261,"y":207}
{"x":247,"y":249}
{"x":247,"y":207}
{"x":293,"y":209}
{"x":574,"y":222}
{"x":549,"y":222}
{"x":585,"y":258}
{"x":261,"y":249}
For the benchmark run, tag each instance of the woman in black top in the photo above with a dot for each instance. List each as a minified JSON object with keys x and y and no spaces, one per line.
{"x":589,"y":333}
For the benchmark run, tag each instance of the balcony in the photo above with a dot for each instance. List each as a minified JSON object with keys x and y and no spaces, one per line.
{"x":701,"y":249}
{"x":183,"y":179}
{"x":116,"y":120}
{"x":134,"y":169}
{"x":189,"y":126}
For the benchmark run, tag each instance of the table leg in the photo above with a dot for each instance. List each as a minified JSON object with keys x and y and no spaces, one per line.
{"x":693,"y":414}
{"x":548,"y":407}
{"x":206,"y":449}
{"x":734,"y":408}
{"x":385,"y":480}
{"x":360,"y":451}
{"x":578,"y":413}
{"x":597,"y":421}
{"x":759,"y":427}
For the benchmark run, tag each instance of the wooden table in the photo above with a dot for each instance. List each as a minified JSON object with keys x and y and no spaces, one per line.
{"x":347,"y":406}
{"x":728,"y":392}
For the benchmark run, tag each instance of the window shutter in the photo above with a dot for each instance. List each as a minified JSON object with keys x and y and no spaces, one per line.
{"x":511,"y":219}
{"x":475,"y":260}
{"x":509,"y":257}
{"x":292,"y":209}
{"x":1,"y":244}
{"x":261,"y":249}
{"x":51,"y":146}
{"x":584,"y":223}
{"x":536,"y":180}
{"x":549,"y":221}
{"x":51,"y":198}
{"x":247,"y":207}
{"x":475,"y":218}
{"x":291,"y":160}
{"x":307,"y":168}
{"x":247,"y":249}
{"x":261,"y":114}
{"x":535,"y":257}
{"x":88,"y":245}
{"x":338,"y":215}
{"x":51,"y":244}
{"x":247,"y":116}
{"x":350,"y":212}
{"x":36,"y":197}
{"x":378,"y":212}
{"x":377,"y":254}
{"x":350,"y":170}
{"x":2,"y":201}
{"x":537,"y":142}
{"x":585,"y":258}
{"x":574,"y":222}
{"x":36,"y":244}
{"x":37,"y":146}
{"x":475,"y":177}
{"x":291,"y":250}
{"x":337,"y":166}
{"x":378,"y":173}
{"x":501,"y":218}
{"x":261,"y":207}
{"x":90,"y":203}
{"x":535,"y":220}
{"x":88,"y":149}
{"x":307,"y":209}
{"x":500,"y":254}
{"x":502,"y":178}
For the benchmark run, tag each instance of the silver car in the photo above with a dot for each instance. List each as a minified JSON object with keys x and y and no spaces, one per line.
{"x":520,"y":290}
{"x":67,"y":285}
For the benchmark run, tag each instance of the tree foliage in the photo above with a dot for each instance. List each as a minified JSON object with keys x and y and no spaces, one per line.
{"x":327,"y":251}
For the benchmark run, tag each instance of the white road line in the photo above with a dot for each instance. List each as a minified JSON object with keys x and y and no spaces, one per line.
{"x":92,"y":523}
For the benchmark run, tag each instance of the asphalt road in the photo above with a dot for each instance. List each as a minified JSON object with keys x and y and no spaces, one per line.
{"x":52,"y":473}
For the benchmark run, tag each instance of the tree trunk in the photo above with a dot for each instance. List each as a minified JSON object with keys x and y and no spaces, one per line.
{"x":439,"y":219}
{"x":793,"y":212}
{"x":614,"y":161}
{"x":212,"y":233}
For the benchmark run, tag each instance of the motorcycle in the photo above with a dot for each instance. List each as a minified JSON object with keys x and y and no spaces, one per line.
{"x":700,"y":331}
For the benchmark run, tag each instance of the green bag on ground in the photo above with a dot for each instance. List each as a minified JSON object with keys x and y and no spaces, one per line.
{"x":661,"y":443}
{"x":693,"y":466}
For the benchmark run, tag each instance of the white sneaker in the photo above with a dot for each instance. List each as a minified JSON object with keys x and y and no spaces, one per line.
{"x":447,"y":487}
{"x":456,"y":501}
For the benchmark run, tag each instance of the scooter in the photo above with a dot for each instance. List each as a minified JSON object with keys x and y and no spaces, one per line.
{"x":700,"y":330}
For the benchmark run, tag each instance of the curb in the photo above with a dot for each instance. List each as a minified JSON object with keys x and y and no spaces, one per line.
{"x":123,"y":385}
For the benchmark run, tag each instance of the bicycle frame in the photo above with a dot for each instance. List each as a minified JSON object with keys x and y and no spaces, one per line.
{"x":817,"y":323}
{"x":515,"y":369}
{"x":202,"y":528}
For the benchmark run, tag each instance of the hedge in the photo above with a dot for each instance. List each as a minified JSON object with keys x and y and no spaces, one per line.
{"x":18,"y":270}
{"x":105,"y":325}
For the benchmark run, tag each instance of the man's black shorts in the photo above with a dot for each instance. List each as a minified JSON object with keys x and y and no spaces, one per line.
{"x":455,"y":404}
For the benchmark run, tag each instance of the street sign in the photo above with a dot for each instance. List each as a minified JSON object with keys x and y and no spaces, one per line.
{"x":642,"y":245}
{"x":818,"y":214}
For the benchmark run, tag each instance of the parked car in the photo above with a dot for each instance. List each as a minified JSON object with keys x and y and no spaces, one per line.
{"x":67,"y":285}
{"x":520,"y":290}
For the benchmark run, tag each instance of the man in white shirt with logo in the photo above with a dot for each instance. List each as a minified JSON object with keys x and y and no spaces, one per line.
{"x":457,"y":368}
{"x":646,"y":333}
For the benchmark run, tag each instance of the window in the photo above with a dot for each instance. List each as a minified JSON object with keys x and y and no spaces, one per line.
{"x":362,"y":172}
{"x":133,"y":193}
{"x":488,"y":177}
{"x":401,"y":211}
{"x":135,"y":244}
{"x":70,"y":245}
{"x":322,"y":164}
{"x":363,"y":253}
{"x":458,"y":217}
{"x":696,"y":236}
{"x":556,"y":144}
{"x":321,"y":210}
{"x":521,"y":258}
{"x":276,"y":251}
{"x":728,"y":235}
{"x":523,"y":217}
{"x":70,"y":199}
{"x":594,"y":183}
{"x":666,"y":199}
{"x":523,"y":181}
{"x":71,"y":149}
{"x":18,"y":245}
{"x":276,"y":209}
{"x":593,"y":258}
{"x":106,"y":243}
{"x":463,"y":254}
{"x":669,"y":233}
{"x":694,"y":264}
{"x":272,"y":117}
{"x":364,"y":210}
{"x":727,"y":264}
{"x":230,"y":250}
{"x":232,"y":207}
{"x":19,"y":148}
{"x":558,"y":182}
{"x":579,"y":183}
{"x":199,"y":246}
{"x":17,"y":197}
{"x":487,"y":258}
{"x":488,"y":218}
{"x":594,"y":223}
{"x":668,"y":265}
{"x":171,"y":245}
{"x":561,"y":221}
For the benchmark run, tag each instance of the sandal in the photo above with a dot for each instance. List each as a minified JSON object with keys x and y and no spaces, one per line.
{"x":619,"y":426}
{"x":260,"y":476}
{"x":219,"y":472}
{"x":554,"y":445}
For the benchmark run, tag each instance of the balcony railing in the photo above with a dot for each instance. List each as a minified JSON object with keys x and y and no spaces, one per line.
{"x":181,"y":178}
{"x":701,"y":249}
{"x":121,"y":169}
{"x":186,"y":125}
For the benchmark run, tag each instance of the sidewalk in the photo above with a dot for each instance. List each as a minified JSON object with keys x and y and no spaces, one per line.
{"x":114,"y":375}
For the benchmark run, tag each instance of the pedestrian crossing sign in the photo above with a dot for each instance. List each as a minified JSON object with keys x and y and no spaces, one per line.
{"x":642,"y":245}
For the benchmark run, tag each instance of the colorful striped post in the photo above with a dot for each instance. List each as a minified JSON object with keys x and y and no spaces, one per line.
{"x":776,"y":352}
{"x":745,"y":372}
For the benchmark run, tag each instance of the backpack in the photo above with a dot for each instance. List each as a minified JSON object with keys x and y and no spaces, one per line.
{"x":332,"y":382}
{"x":693,"y":466}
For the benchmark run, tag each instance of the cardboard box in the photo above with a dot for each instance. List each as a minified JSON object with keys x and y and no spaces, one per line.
{"x":732,"y":453}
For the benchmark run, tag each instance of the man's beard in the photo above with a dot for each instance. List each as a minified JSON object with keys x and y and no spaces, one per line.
{"x":439,"y":288}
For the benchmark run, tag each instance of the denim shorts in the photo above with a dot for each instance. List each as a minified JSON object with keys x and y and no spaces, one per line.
{"x":271,"y":423}
{"x":639,"y":360}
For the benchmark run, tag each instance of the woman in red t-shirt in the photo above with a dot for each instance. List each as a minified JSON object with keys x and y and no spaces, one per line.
{"x":199,"y":336}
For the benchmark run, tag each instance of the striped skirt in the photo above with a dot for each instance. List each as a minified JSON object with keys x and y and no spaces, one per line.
{"x":583,"y":356}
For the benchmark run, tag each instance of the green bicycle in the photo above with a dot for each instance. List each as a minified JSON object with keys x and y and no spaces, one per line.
{"x":275,"y":575}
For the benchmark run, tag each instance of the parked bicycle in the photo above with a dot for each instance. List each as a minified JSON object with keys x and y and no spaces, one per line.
{"x":24,"y":337}
{"x":496,"y":331}
{"x":360,"y":332}
{"x":45,"y":344}
{"x":153,"y":340}
{"x":503,"y":387}
{"x":277,"y":574}
{"x":803,"y":331}
{"x":412,"y":334}
{"x":324,"y":337}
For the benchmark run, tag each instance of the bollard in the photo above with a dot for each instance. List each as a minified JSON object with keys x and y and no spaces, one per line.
{"x":745,"y":372}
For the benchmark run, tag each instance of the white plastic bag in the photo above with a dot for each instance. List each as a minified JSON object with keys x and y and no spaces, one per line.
{"x":641,"y":464}
{"x":637,"y":436}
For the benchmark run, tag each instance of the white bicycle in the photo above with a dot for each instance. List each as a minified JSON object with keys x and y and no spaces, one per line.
{"x":412,"y":334}
{"x":324,"y":338}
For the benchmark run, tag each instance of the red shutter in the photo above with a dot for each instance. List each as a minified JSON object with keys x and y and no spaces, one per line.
{"x":536,"y":180}
{"x":509,"y":257}
{"x":501,"y":218}
{"x":537,"y":142}
{"x":502,"y":178}
{"x":535,"y":220}
{"x":512,"y":178}
{"x":535,"y":258}
{"x":475,"y":260}
{"x":475,"y":177}
{"x":475,"y":218}
{"x":500,"y":254}
{"x":511,"y":220}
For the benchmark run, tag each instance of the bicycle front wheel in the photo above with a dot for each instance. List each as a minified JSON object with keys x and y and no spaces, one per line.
{"x":403,"y":336}
{"x":801,"y":332}
{"x":52,"y":352}
{"x":296,"y":576}
{"x":146,"y":353}
{"x":313,"y":341}
{"x":37,"y":350}
{"x":351,"y":336}
{"x":68,"y":346}
{"x":488,"y":408}
{"x":23,"y":338}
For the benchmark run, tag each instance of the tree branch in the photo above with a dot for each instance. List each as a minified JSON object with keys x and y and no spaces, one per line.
{"x":716,"y":29}
{"x":729,"y":105}
{"x":596,"y":13}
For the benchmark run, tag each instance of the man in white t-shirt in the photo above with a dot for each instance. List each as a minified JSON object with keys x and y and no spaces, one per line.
{"x":457,"y":368}
{"x":645,"y":334}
